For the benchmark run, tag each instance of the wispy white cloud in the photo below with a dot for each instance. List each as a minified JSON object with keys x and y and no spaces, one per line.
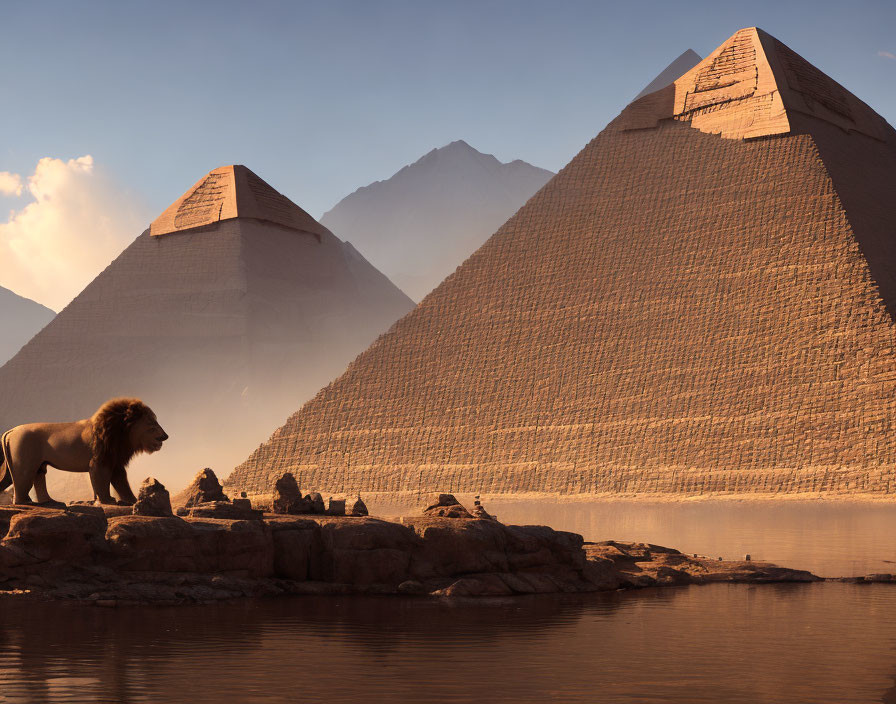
{"x":78,"y":222}
{"x":887,"y":55}
{"x":10,"y":184}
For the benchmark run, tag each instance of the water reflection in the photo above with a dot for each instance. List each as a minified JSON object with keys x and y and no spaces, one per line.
{"x":773,"y":643}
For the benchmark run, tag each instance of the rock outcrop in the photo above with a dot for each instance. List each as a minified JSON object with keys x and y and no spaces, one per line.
{"x":153,"y":499}
{"x":288,"y":497}
{"x":204,"y":488}
{"x":356,"y":507}
{"x":89,"y":553}
{"x":446,"y":506}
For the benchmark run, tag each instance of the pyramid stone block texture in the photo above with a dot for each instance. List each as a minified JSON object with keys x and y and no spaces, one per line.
{"x":684,"y":308}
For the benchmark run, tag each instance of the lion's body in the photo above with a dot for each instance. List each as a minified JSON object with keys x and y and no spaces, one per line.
{"x":101,"y":445}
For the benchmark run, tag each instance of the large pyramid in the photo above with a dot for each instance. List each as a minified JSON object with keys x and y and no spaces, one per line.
{"x":233,"y":308}
{"x":701,"y":301}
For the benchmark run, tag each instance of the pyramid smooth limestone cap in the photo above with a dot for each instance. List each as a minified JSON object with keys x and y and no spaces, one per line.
{"x":230,"y":192}
{"x":752,"y":86}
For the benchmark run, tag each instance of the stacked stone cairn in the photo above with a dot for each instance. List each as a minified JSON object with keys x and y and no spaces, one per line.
{"x":480,"y":512}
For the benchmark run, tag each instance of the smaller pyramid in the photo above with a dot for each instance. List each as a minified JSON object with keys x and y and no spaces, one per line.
{"x":672,"y":72}
{"x":234,"y":307}
{"x":231,"y":192}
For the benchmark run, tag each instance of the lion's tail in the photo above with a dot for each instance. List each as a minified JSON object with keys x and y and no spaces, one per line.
{"x":5,"y":468}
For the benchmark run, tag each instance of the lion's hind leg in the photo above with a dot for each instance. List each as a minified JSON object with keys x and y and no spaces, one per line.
{"x":40,"y":489}
{"x":22,"y":461}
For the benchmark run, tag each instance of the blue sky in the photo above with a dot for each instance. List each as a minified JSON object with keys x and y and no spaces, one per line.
{"x":320,"y":98}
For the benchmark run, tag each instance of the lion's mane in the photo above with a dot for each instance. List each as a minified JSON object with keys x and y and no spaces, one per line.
{"x":112,"y":423}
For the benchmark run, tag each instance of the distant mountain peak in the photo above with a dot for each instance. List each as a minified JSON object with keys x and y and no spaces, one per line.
{"x":421,"y":223}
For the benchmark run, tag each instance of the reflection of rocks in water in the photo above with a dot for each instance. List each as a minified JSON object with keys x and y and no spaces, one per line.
{"x":675,"y":644}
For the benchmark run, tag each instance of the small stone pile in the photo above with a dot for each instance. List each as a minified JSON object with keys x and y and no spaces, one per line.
{"x":480,"y":512}
{"x":288,"y":499}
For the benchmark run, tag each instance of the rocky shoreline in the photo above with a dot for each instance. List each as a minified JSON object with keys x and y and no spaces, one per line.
{"x":97,"y":555}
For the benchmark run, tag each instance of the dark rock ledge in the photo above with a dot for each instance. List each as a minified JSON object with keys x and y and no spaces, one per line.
{"x":81,"y":553}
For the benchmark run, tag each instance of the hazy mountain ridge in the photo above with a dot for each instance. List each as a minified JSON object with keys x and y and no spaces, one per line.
{"x":22,"y":319}
{"x":420,"y":224}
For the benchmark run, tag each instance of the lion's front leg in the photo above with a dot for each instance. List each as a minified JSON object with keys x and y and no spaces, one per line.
{"x":100,"y":479}
{"x":122,"y":487}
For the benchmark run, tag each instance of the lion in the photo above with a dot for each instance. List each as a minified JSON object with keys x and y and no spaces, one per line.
{"x":101,"y":445}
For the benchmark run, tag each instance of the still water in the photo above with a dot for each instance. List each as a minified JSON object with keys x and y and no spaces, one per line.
{"x":829,"y":642}
{"x":717,"y":643}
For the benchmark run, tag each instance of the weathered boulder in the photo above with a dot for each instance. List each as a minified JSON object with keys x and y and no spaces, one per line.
{"x":366,"y":552}
{"x":287,"y":498}
{"x":519,"y":559}
{"x":356,"y":507}
{"x":42,"y":534}
{"x":450,"y":547}
{"x":239,"y":547}
{"x":446,"y":506}
{"x":149,"y":544}
{"x":204,"y":488}
{"x":153,"y":499}
{"x":145,"y":544}
{"x":335,"y":507}
{"x":297,"y":548}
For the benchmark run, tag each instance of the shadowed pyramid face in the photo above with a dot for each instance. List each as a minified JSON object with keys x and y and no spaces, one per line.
{"x":699,"y":302}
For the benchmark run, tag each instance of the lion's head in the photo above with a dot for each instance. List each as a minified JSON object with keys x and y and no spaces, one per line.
{"x":122,"y":428}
